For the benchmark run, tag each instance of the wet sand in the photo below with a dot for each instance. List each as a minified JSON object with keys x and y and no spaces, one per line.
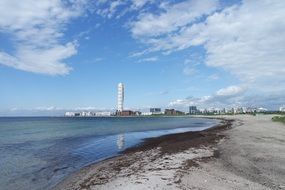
{"x":244,"y":152}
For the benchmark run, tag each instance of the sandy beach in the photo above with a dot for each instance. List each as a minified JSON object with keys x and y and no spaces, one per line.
{"x":244,"y":152}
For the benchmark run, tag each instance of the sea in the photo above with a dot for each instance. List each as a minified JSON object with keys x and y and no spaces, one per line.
{"x":36,"y":153}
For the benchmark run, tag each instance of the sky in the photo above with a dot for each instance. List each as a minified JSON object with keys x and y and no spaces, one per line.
{"x":70,"y":55}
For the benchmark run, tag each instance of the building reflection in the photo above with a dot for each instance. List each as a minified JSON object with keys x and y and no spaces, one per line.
{"x":121,"y":141}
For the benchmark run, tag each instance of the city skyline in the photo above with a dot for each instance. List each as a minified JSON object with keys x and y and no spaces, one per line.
{"x":59,"y":56}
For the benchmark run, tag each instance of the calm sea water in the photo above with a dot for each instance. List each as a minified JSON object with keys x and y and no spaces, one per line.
{"x":38,"y":152}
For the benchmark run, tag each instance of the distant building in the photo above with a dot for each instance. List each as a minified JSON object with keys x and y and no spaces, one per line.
{"x":209,"y":111}
{"x":193,"y":110}
{"x":155,"y":111}
{"x":69,"y":114}
{"x":180,"y":112}
{"x":238,"y":110}
{"x":126,"y":113}
{"x":102,"y":114}
{"x":170,"y":112}
{"x":261,"y":110}
{"x":121,"y":97}
{"x":86,"y":114}
{"x":173,"y":112}
{"x":282,"y":109}
{"x":223,"y":111}
{"x":146,"y":113}
{"x":251,"y":110}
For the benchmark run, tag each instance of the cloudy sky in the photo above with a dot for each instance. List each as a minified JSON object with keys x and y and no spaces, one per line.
{"x":58,"y":55}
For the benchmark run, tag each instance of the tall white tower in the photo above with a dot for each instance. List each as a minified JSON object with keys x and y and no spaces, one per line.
{"x":120,"y":97}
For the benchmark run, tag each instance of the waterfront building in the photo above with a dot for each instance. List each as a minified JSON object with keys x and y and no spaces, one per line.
{"x":126,"y":113}
{"x":180,"y":112}
{"x":69,"y":114}
{"x":102,"y":114}
{"x":173,"y":112}
{"x":86,"y":114}
{"x":251,"y":110}
{"x":193,"y":110}
{"x":121,"y":97}
{"x":146,"y":113}
{"x":170,"y":112}
{"x":76,"y":114}
{"x":154,"y":111}
{"x":238,"y":110}
{"x":223,"y":111}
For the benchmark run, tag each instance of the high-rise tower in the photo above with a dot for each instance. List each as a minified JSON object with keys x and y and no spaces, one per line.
{"x":120,"y":97}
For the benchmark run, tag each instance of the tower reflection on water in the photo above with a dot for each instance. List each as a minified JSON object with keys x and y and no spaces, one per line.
{"x":121,"y":141}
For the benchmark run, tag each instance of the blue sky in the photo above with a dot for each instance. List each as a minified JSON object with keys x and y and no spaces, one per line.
{"x":58,"y":55}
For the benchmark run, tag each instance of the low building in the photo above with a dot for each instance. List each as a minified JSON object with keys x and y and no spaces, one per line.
{"x":126,"y":113}
{"x":238,"y":110}
{"x":180,"y":112}
{"x":155,"y":111}
{"x":86,"y":114}
{"x":282,"y":109}
{"x":69,"y":114}
{"x":173,"y":112}
{"x":102,"y":114}
{"x":146,"y":113}
{"x":170,"y":112}
{"x":251,"y":110}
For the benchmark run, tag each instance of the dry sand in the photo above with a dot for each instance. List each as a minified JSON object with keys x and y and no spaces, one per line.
{"x":250,"y":155}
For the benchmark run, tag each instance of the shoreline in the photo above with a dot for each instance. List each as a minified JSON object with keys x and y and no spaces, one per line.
{"x":249,"y":155}
{"x":209,"y":136}
{"x":99,"y":172}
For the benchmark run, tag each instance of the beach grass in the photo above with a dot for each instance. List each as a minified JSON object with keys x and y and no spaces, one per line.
{"x":279,"y":119}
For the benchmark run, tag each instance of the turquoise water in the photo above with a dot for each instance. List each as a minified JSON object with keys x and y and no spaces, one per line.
{"x":38,"y":152}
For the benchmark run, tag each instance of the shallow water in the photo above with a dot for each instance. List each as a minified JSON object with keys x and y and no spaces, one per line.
{"x":38,"y":152}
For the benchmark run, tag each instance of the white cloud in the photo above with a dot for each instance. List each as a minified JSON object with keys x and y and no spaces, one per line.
{"x":148,"y":59}
{"x":232,"y":96}
{"x":246,"y":39}
{"x":137,"y":4}
{"x":119,"y":8}
{"x":190,"y":71}
{"x":214,"y":77}
{"x":172,"y":18}
{"x":190,"y":101}
{"x":49,"y":108}
{"x":191,"y":63}
{"x":230,"y":91}
{"x":164,"y":92}
{"x":229,"y":96}
{"x":36,"y":28}
{"x":248,"y":49}
{"x":109,"y":8}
